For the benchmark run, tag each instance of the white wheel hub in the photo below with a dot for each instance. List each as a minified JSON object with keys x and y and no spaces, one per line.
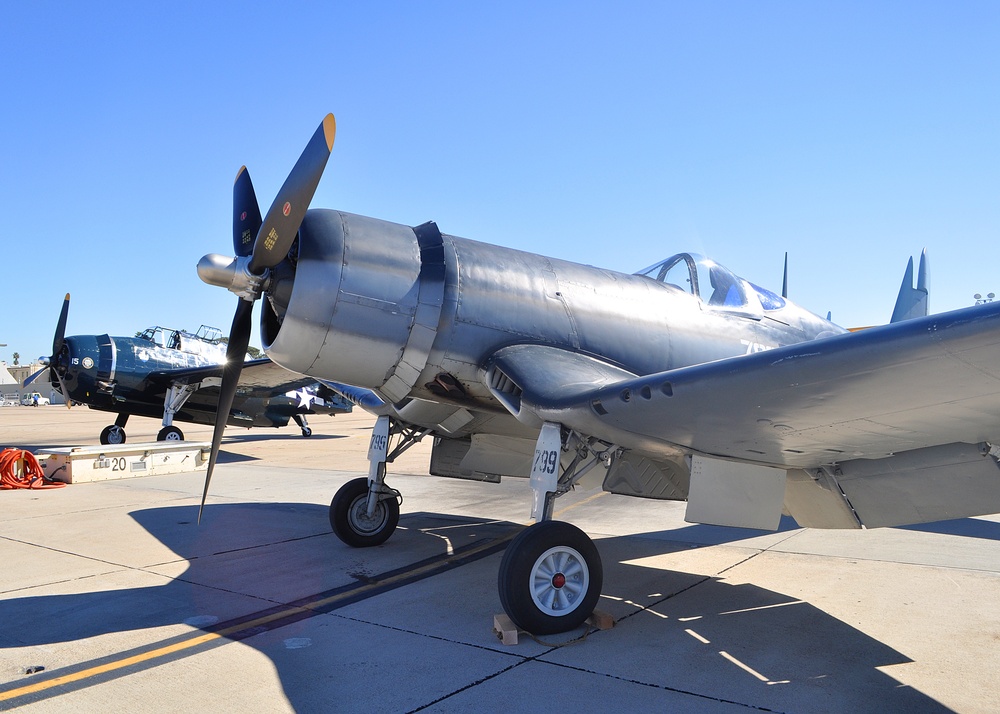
{"x":358,"y":515}
{"x":559,"y":581}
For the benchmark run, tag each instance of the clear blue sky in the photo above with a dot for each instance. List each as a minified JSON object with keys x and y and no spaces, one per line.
{"x":851,"y":135}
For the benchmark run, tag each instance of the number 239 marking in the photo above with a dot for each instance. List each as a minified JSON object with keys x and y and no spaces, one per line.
{"x":546,"y":461}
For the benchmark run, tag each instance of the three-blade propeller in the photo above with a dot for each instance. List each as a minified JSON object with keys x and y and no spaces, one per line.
{"x":57,"y":344}
{"x":272,"y":237}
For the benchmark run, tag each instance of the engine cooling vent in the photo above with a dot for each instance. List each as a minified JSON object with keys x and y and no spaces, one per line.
{"x":505,"y":389}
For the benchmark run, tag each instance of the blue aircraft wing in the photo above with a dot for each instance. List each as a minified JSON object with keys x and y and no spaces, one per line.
{"x":899,"y":420}
{"x":259,"y":378}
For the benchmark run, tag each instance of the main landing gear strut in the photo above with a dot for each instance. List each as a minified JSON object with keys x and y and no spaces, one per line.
{"x":551,"y":574}
{"x":365,"y":511}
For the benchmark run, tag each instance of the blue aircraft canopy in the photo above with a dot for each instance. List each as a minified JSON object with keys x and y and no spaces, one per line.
{"x":714,"y":284}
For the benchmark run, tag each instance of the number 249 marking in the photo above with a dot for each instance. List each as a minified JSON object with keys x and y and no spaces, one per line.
{"x":546,"y":461}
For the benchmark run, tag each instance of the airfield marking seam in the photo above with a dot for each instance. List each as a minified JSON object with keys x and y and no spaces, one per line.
{"x":641,"y":683}
{"x":539,"y":659}
{"x":308,"y":609}
{"x":295,"y":612}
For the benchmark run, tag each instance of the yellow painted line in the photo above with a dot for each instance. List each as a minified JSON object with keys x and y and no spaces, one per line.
{"x":212,"y":636}
{"x":263,"y":620}
{"x":399,"y":576}
{"x":581,"y":503}
{"x":146,"y":656}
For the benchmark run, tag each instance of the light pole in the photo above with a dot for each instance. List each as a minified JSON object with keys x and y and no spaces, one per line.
{"x":980,"y":300}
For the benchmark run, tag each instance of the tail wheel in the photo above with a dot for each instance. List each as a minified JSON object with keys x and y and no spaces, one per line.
{"x":113,"y":434}
{"x":351,"y":522}
{"x":550,"y":578}
{"x":170,"y":433}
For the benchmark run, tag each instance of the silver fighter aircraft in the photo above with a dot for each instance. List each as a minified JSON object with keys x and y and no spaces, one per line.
{"x":682,"y":382}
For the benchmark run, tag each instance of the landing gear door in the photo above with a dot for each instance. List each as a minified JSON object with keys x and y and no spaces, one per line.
{"x":545,"y":468}
{"x":378,"y":449}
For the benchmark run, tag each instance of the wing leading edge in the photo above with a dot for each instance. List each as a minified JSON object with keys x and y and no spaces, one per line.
{"x":889,"y":426}
{"x":259,"y":378}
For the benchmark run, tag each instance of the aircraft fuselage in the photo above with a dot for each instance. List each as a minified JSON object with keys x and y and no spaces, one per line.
{"x":414,"y":314}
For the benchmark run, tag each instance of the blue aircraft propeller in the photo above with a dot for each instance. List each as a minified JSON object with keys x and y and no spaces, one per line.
{"x":53,"y":363}
{"x":273,"y":238}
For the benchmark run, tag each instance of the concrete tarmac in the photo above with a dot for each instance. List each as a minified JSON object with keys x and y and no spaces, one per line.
{"x":113,"y":598}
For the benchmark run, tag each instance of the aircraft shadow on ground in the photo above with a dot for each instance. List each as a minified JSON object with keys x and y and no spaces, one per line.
{"x":252,"y":437}
{"x":965,"y":527}
{"x":811,"y":660}
{"x":263,"y":434}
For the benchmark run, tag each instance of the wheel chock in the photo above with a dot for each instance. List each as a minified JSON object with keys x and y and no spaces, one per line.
{"x":505,"y":629}
{"x":507,"y":632}
{"x":601,"y":620}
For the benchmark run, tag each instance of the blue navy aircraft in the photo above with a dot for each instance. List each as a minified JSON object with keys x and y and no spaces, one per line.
{"x":175,"y":375}
{"x":683,"y":381}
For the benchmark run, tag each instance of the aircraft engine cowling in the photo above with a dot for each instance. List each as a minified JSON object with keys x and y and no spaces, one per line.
{"x":358,"y":304}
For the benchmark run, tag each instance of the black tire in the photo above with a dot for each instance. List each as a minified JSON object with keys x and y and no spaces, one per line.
{"x":306,"y":431}
{"x":170,"y":433}
{"x":348,"y":516}
{"x":112,"y":435}
{"x":550,"y":578}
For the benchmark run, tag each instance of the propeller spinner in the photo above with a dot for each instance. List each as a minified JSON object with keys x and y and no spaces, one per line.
{"x":246,"y":274}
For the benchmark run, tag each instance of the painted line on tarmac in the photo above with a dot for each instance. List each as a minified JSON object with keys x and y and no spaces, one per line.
{"x":102,"y":670}
{"x":98,"y":671}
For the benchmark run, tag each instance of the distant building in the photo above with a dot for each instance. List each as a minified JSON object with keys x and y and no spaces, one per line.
{"x":12,"y":383}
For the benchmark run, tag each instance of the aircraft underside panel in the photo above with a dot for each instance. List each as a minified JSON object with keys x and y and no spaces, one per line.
{"x":923,"y":486}
{"x":635,"y":475}
{"x":447,"y":457}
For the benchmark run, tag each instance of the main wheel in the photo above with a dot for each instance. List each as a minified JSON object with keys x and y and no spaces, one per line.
{"x":550,"y":578}
{"x":113,"y":435}
{"x":349,"y":516}
{"x":170,"y":433}
{"x":307,"y":432}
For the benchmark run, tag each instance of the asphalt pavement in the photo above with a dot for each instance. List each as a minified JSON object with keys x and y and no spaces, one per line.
{"x":114,"y":598}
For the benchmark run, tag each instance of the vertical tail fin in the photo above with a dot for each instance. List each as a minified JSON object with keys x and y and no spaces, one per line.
{"x":784,"y":279}
{"x":913,"y":301}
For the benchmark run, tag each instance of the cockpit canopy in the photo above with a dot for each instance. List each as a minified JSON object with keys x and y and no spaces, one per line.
{"x":207,"y":341}
{"x":713,"y":284}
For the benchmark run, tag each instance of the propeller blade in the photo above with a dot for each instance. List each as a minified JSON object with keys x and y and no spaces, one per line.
{"x":239,"y":339}
{"x":62,"y":387}
{"x":31,"y":379}
{"x":276,"y":234}
{"x":57,"y":341}
{"x":274,"y":238}
{"x":246,"y":214}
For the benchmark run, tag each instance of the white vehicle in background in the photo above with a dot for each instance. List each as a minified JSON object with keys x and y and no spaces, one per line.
{"x":34,"y":400}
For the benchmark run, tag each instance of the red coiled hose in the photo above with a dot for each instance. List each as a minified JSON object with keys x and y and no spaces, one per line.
{"x":20,"y":469}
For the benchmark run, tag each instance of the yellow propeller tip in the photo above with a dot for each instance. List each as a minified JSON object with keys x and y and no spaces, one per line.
{"x":329,"y":130}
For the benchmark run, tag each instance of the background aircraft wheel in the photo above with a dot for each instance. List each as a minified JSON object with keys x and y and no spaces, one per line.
{"x":170,"y":433}
{"x":113,"y":434}
{"x":550,"y":578}
{"x":306,"y":431}
{"x":349,"y":516}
